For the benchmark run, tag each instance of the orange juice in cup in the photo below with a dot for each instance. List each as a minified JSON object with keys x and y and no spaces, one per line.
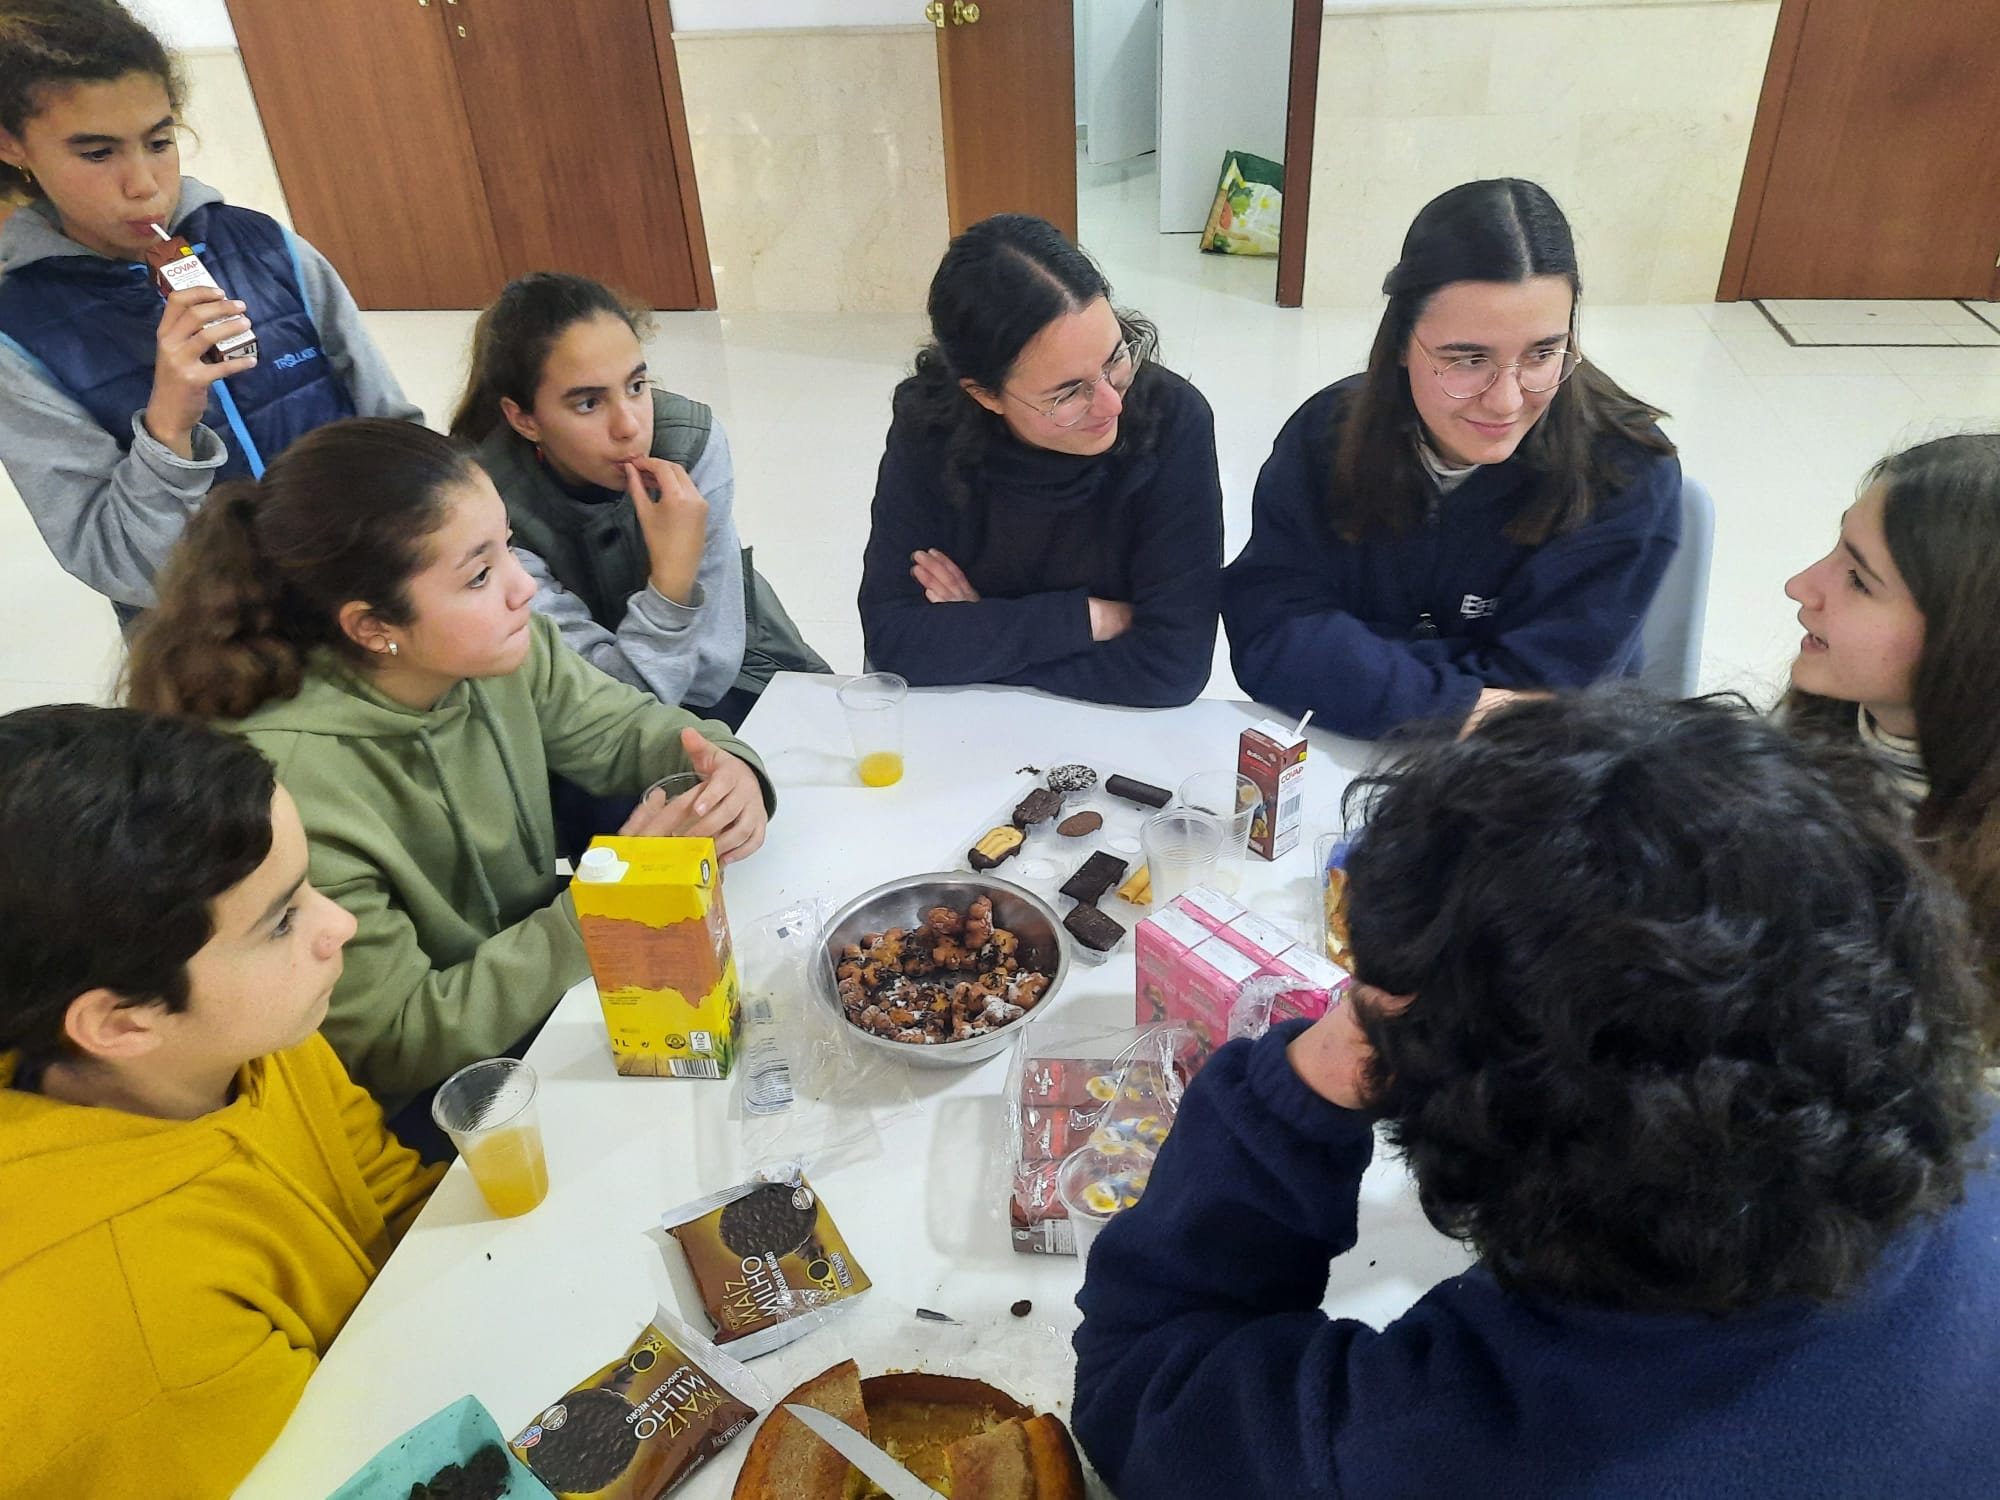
{"x":488,"y":1110}
{"x":881,"y":768}
{"x":510,"y":1169}
{"x":874,"y":708}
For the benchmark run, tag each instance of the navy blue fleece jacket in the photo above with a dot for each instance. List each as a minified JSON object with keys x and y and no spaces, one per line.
{"x":1043,"y":534}
{"x":1205,"y":1367}
{"x":1317,"y":622}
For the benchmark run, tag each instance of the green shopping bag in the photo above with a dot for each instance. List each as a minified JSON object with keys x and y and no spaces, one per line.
{"x":1249,"y":196}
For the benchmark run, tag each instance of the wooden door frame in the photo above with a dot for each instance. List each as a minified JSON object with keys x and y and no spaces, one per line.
{"x":662,"y":15}
{"x":1784,"y":58}
{"x":1301,"y":118}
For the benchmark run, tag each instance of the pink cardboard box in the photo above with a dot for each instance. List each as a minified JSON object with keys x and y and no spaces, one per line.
{"x":1195,"y":955}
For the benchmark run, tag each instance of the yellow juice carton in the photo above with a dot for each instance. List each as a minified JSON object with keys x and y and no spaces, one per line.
{"x":658,"y":940}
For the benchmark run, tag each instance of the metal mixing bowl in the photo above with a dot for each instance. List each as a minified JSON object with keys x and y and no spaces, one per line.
{"x":902,"y":903}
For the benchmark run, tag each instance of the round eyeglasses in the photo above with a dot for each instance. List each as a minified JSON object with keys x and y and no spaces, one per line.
{"x":1538,"y":373}
{"x":1074,"y":404}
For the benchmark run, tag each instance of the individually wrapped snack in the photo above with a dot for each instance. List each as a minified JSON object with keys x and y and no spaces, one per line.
{"x":767,"y":1258}
{"x":642,"y":1424}
{"x":1330,"y":855}
{"x":1111,"y":1091}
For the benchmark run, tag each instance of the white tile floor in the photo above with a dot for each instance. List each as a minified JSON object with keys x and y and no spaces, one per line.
{"x":1884,"y":323}
{"x":1780,"y":434}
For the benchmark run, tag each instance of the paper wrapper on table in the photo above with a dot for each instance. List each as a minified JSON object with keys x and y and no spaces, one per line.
{"x":767,"y":1258}
{"x":1195,"y":956}
{"x":1070,"y":1087}
{"x":1271,"y":755}
{"x":1249,"y":203}
{"x":658,"y":940}
{"x":636,"y":1428}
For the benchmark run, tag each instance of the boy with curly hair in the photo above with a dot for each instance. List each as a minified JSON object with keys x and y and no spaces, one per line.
{"x":1676,"y":1030}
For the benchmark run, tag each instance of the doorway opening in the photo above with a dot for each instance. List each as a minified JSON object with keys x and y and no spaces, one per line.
{"x":1164,"y":89}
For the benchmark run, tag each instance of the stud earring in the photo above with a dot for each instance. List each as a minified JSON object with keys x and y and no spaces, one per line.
{"x":389,"y":649}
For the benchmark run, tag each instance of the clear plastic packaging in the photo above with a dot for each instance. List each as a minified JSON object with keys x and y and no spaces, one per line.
{"x":806,"y":1089}
{"x":1071,"y":1087}
{"x":1269,"y":999}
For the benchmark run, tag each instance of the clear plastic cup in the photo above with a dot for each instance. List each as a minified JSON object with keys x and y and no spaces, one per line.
{"x":1096,"y":1186}
{"x":1234,"y":799}
{"x":488,"y":1110}
{"x":1183,"y":846}
{"x":670,"y":787}
{"x":874,"y":708}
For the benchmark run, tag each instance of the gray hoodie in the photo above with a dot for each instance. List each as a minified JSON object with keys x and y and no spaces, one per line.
{"x":110,"y":516}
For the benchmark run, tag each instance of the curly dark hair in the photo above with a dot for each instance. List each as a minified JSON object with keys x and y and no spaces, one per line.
{"x":1000,"y":283}
{"x":1693,"y":1024}
{"x":118,"y":831}
{"x":54,"y":44}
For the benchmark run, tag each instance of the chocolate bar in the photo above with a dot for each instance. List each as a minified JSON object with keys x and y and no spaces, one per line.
{"x":1037,"y":807}
{"x":1093,"y":928}
{"x":1094,"y":877}
{"x":1140,"y":792}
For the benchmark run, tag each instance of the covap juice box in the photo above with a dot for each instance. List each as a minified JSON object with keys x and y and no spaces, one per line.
{"x":658,"y":939}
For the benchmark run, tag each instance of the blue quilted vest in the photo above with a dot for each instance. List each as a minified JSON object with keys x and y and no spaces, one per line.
{"x":93,"y":322}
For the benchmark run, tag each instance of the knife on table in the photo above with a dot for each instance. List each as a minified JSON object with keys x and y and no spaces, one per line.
{"x":897,"y":1482}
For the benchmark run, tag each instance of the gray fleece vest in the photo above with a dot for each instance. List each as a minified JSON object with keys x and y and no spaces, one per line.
{"x":595,"y":549}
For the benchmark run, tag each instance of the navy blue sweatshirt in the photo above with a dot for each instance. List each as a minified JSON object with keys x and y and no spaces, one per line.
{"x":1044,"y":533}
{"x":1316,"y":622}
{"x":1205,"y":1367}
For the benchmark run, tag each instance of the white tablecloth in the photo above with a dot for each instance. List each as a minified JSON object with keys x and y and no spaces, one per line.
{"x":516,"y":1311}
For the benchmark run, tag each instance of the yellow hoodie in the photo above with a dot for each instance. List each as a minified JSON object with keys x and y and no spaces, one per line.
{"x":167,"y":1286}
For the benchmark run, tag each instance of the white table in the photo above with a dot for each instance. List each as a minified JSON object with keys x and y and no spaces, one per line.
{"x":516,"y":1311}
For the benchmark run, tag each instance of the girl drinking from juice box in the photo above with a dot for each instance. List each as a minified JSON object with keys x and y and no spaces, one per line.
{"x":114,"y":423}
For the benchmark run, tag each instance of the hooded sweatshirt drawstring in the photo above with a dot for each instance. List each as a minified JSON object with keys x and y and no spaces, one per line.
{"x":465,"y":843}
{"x":538,"y":852}
{"x":539,"y":855}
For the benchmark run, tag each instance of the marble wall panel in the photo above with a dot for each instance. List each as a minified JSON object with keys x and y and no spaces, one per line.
{"x":1637,"y":119}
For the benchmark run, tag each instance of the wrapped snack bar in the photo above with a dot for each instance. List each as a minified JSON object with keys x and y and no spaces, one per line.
{"x":638,"y":1427}
{"x":768,"y":1259}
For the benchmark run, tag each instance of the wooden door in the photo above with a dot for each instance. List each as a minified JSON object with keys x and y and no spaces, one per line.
{"x":1871,"y":168}
{"x":361,"y":105}
{"x":577,"y":136}
{"x":1007,"y":83}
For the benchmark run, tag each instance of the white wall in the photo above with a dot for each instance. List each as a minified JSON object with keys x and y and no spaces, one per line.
{"x":1225,"y":68}
{"x":187,"y":25}
{"x":191,"y":25}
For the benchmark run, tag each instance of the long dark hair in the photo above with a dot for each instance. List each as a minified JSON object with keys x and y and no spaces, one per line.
{"x":1506,"y":230}
{"x":55,"y":43}
{"x":1000,"y":283}
{"x":1694,"y":1020}
{"x":257,"y":580}
{"x":1941,"y":518}
{"x":512,"y":339}
{"x":152,"y":819}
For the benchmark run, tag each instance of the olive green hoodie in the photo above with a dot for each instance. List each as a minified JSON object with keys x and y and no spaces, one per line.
{"x":434,"y":829}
